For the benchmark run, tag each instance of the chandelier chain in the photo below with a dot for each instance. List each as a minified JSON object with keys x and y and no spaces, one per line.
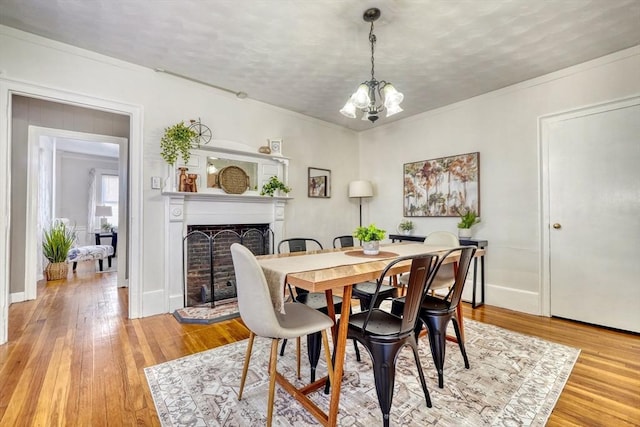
{"x":372,"y":39}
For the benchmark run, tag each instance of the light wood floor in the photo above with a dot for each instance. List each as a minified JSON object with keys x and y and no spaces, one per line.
{"x":74,"y":359}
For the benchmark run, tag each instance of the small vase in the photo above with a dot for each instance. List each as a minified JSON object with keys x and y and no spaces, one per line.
{"x":464,"y":232}
{"x":371,"y":248}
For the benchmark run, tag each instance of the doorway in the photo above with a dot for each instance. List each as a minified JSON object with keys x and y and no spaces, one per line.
{"x":9,"y":88}
{"x":59,"y":185}
{"x":591,"y":208}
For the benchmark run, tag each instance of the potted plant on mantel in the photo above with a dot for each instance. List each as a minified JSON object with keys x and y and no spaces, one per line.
{"x":273,"y":185}
{"x":370,"y":237}
{"x":177,"y":141}
{"x":468,"y":218}
{"x":56,"y":243}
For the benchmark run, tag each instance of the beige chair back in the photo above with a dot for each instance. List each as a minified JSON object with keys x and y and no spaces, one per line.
{"x":442,"y":238}
{"x":254,"y":299}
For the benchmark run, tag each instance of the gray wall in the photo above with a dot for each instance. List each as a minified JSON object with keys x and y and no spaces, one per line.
{"x":37,"y":112}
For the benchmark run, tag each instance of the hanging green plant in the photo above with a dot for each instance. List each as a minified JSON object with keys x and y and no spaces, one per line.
{"x":177,"y":140}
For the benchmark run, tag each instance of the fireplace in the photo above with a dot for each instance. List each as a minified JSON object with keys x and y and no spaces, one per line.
{"x":207,"y":255}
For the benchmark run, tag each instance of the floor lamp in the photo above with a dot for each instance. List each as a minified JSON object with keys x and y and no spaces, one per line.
{"x":360,"y":189}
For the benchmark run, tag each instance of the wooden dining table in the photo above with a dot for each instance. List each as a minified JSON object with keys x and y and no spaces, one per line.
{"x":327,"y":271}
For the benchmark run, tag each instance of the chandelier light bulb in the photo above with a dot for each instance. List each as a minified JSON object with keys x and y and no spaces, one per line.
{"x":392,"y":98}
{"x":394,"y":109}
{"x":349,"y":110}
{"x":361,"y":97}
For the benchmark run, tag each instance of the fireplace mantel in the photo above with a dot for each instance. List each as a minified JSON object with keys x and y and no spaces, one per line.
{"x":213,"y":206}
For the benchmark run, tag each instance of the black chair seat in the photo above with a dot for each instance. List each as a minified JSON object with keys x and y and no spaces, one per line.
{"x":365,"y":291}
{"x":381,"y":324}
{"x":318,"y":301}
{"x":430,"y":305}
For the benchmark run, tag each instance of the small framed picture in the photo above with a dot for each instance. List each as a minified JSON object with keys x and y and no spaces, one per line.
{"x":276,"y":146}
{"x":319,"y":184}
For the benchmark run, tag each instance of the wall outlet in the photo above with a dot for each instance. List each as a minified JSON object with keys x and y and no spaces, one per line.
{"x":156,"y":182}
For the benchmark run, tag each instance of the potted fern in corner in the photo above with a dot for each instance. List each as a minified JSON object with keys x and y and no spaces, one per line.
{"x":370,"y":238}
{"x":57,"y":240}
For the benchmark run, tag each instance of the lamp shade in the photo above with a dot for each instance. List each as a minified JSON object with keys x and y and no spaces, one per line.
{"x":104,"y":211}
{"x":360,"y":189}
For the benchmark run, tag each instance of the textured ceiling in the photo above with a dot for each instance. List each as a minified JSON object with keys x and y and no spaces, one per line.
{"x":310,"y":55}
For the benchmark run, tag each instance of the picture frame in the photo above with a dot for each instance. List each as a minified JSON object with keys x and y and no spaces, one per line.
{"x":275,"y":145}
{"x":319,"y":183}
{"x":442,"y":187}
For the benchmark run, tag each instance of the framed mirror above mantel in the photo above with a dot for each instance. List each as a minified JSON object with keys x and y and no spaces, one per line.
{"x":226,"y":168}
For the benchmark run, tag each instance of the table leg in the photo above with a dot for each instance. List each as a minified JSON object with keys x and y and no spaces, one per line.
{"x":331,"y":312}
{"x":340,"y":352}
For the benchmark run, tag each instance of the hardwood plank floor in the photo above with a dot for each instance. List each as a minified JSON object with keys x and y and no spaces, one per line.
{"x":73,"y":358}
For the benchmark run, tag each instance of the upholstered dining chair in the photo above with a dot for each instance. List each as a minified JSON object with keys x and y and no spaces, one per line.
{"x":315,"y":300}
{"x":364,"y":291}
{"x":384,"y":334}
{"x":259,"y":315}
{"x":436,"y":312}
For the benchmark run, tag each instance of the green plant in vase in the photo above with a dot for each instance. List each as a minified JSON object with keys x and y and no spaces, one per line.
{"x":57,"y":240}
{"x":272,"y":186}
{"x":405,"y":227}
{"x":370,"y":237}
{"x":468,"y":218}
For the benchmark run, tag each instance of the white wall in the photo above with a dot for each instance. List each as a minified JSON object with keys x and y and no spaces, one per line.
{"x":503,"y":127}
{"x":167,"y":100}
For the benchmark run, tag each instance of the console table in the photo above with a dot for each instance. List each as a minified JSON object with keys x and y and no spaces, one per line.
{"x":479,"y":243}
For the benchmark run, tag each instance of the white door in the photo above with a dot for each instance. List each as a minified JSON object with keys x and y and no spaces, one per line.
{"x":594,"y":216}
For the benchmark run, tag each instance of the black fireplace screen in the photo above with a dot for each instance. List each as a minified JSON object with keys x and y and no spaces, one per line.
{"x":208,"y":273}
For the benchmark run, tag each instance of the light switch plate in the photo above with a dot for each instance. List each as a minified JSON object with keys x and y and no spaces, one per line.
{"x":156,"y":182}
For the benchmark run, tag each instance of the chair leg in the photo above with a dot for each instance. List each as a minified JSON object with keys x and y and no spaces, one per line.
{"x":100,"y":264}
{"x":384,"y":374}
{"x":75,"y":265}
{"x":298,"y":356}
{"x":109,"y":261}
{"x":427,"y":398}
{"x":460,"y":321}
{"x":327,"y":354}
{"x":355,"y":346}
{"x":245,"y":368}
{"x":437,"y":332}
{"x":456,"y":327}
{"x":284,"y":343}
{"x":273,"y":360}
{"x":314,"y":342}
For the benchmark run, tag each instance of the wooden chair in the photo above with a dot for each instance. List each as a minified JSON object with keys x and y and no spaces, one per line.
{"x":259,"y":315}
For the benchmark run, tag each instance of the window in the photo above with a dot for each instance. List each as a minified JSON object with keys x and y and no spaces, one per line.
{"x":110,"y":196}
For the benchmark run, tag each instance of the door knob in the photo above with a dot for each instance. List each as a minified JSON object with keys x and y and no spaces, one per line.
{"x":557,"y":226}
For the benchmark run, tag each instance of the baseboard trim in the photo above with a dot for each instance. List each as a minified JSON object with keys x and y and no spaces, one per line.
{"x":512,"y":299}
{"x":17,"y":297}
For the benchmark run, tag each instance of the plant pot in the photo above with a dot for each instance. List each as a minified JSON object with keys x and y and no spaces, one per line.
{"x":56,"y":270}
{"x":371,"y":248}
{"x":464,"y":232}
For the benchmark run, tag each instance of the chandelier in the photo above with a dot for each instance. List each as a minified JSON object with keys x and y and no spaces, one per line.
{"x":373,"y":97}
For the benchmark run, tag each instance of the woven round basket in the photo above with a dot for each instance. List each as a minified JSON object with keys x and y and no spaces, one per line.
{"x":56,"y":270}
{"x":233,"y":180}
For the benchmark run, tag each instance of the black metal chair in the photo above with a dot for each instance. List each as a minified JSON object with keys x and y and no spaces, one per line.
{"x":364,"y":291}
{"x":436,"y":312}
{"x":384,"y":334}
{"x":315,"y":300}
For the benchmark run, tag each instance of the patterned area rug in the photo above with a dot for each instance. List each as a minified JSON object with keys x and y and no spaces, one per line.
{"x":206,"y":314}
{"x":514,"y":380}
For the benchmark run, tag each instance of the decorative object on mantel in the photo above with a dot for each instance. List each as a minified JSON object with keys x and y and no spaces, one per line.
{"x":440,"y":187}
{"x":203,"y":133}
{"x":57,"y":240}
{"x":177,"y":141}
{"x":275,"y":145}
{"x":264,"y":149}
{"x":370,"y":238}
{"x":364,"y":98}
{"x":272,"y":185}
{"x":233,"y":180}
{"x":187,"y":181}
{"x":405,"y":227}
{"x":468,"y":218}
